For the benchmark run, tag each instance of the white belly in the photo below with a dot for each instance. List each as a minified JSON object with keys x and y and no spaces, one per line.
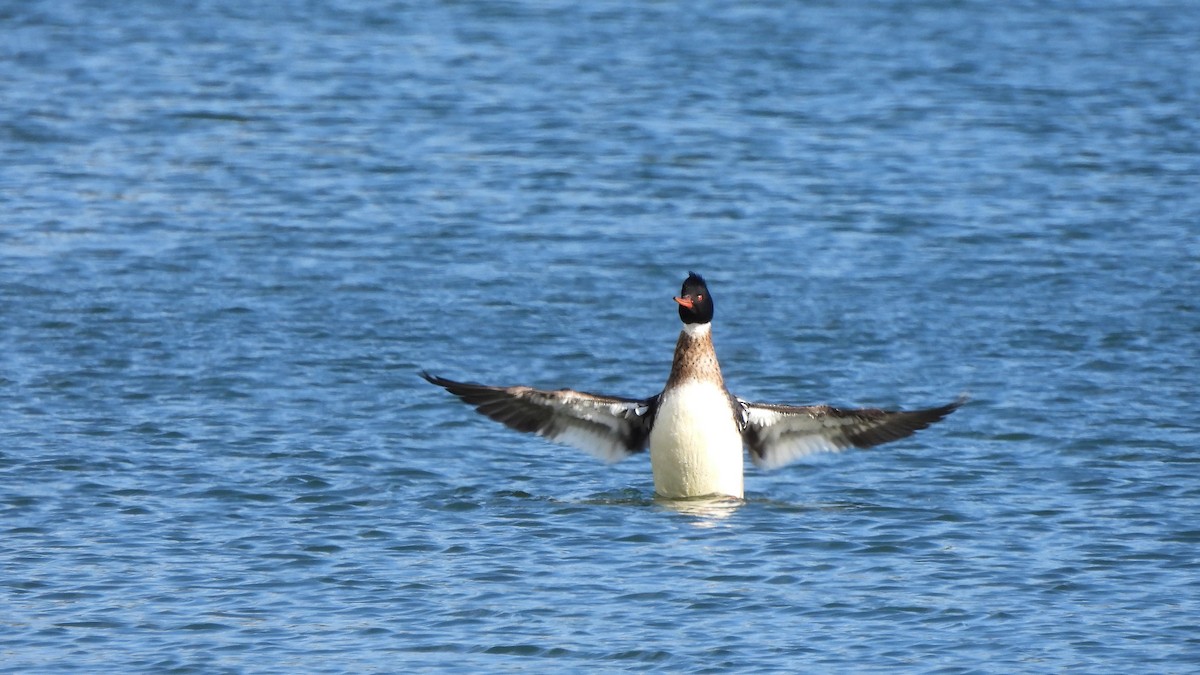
{"x":695,"y":447}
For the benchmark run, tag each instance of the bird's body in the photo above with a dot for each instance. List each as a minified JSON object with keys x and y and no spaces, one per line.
{"x":695,"y":446}
{"x":695,"y":429}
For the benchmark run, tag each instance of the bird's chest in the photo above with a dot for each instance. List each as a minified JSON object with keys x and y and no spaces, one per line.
{"x":695,"y":446}
{"x":693,"y":415}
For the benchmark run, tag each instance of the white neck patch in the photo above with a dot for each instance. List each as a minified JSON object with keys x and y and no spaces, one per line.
{"x":697,"y":329}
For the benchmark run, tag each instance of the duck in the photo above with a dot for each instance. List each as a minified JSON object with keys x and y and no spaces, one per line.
{"x":696,"y":431}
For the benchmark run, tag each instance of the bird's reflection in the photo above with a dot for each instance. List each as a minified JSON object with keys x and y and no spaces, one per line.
{"x":707,"y":510}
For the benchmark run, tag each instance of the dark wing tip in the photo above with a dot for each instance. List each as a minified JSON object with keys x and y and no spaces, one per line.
{"x":506,"y":405}
{"x":434,"y":379}
{"x":894,"y":425}
{"x":439,"y":381}
{"x":936,"y":414}
{"x":475,"y":394}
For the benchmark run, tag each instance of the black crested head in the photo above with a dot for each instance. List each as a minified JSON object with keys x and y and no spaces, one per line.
{"x":695,"y":302}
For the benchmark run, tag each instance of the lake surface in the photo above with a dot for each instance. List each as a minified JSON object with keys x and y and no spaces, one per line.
{"x":233,"y":234}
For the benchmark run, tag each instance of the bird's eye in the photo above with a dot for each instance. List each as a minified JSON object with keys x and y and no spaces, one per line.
{"x":700,"y":297}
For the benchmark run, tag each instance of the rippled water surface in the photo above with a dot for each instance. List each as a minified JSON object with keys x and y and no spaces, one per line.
{"x":232,"y":234}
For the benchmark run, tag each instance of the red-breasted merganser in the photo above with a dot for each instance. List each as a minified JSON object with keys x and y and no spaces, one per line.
{"x":695,"y":428}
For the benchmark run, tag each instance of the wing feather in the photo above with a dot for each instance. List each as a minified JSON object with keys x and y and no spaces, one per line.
{"x":609,"y":427}
{"x":780,"y":434}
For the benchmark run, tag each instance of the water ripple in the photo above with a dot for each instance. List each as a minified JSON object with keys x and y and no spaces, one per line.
{"x":226,"y":258}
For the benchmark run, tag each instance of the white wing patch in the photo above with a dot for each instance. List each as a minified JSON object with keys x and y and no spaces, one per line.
{"x":593,"y":425}
{"x":801,"y":435}
{"x":594,"y":443}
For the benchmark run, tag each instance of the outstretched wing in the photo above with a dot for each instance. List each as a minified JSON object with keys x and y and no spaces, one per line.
{"x":780,"y":434}
{"x":609,"y":427}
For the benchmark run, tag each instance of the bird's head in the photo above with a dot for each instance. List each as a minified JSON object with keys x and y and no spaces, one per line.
{"x":695,"y":303}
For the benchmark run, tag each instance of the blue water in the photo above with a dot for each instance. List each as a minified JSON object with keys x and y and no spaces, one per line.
{"x":232,"y":233}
